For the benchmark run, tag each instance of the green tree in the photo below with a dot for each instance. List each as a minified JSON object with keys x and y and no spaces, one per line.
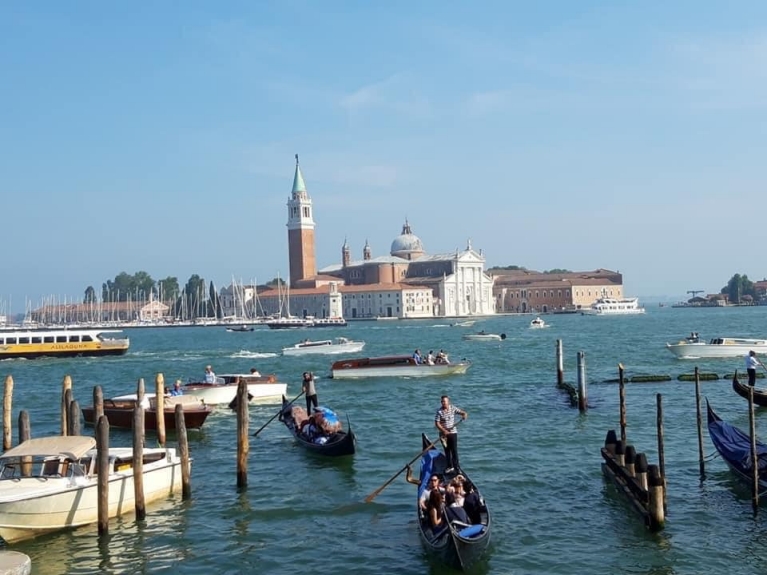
{"x":558,"y":271}
{"x":509,"y":268}
{"x":90,"y":295}
{"x":194,"y":293}
{"x":215,"y":302}
{"x":738,"y":287}
{"x":168,"y":289}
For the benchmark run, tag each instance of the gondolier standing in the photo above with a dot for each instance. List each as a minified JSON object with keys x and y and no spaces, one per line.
{"x":751,"y":363}
{"x":444,"y":420}
{"x":307,"y":385}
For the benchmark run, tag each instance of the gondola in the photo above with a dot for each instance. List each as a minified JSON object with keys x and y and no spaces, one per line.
{"x":337,"y":444}
{"x":459,"y":545}
{"x":735,"y":448}
{"x":760,"y":397}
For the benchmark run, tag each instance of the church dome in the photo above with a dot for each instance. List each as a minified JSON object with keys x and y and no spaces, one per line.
{"x":407,"y":245}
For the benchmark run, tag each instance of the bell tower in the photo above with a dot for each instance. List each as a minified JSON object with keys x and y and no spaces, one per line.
{"x":301,"y":256}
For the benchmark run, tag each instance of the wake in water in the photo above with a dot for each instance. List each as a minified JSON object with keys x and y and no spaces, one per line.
{"x":253,"y":354}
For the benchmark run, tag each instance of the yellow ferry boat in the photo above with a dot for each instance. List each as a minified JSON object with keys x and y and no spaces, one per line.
{"x":60,"y":343}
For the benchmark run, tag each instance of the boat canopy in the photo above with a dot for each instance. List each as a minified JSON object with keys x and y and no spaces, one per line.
{"x":72,"y":447}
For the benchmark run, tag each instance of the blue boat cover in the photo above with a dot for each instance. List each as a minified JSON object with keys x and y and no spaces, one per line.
{"x":427,"y":464}
{"x":735,"y":446}
{"x":330,"y":416}
{"x":471,"y":531}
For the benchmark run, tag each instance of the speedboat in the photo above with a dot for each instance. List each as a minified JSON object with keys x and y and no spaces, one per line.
{"x":224,"y":390}
{"x":614,"y":306}
{"x":50,"y":483}
{"x":290,"y":323}
{"x":692,"y":347}
{"x":240,"y":328}
{"x":538,"y":323}
{"x":119,"y":411}
{"x":325,"y":346}
{"x":466,"y":323}
{"x":484,"y":336}
{"x":393,"y":366}
{"x":60,"y":343}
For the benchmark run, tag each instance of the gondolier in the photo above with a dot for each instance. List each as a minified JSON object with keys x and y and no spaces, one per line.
{"x":751,"y":364}
{"x":444,"y":420}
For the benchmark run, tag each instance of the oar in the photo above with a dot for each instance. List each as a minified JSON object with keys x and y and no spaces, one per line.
{"x":276,"y":414}
{"x":377,"y":492}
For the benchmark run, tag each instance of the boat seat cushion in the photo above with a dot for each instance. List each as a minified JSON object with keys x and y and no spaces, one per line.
{"x":471,"y":531}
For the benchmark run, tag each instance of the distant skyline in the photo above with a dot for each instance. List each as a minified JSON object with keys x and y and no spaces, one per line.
{"x":577,"y":135}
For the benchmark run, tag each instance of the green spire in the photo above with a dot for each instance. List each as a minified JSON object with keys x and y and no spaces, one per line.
{"x":298,"y":179}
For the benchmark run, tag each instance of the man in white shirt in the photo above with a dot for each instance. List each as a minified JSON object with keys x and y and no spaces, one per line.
{"x":210,"y":377}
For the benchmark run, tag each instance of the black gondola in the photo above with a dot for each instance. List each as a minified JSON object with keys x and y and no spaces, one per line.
{"x":760,"y":397}
{"x":735,"y":448}
{"x":457,"y":544}
{"x":337,"y":444}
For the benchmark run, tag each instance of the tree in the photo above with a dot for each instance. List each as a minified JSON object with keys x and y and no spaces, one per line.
{"x":499,"y":268}
{"x":558,"y":271}
{"x":90,"y":295}
{"x":738,"y":287}
{"x":194,"y":292}
{"x":215,"y":302}
{"x":168,"y":289}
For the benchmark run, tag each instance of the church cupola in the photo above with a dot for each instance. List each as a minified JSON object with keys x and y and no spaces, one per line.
{"x":346,"y":254}
{"x":367,"y":253}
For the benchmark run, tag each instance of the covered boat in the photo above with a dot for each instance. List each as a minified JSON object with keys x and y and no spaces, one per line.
{"x":50,"y":483}
{"x":325,"y":346}
{"x":60,"y":343}
{"x":760,"y":396}
{"x":119,"y":412}
{"x":393,"y":366}
{"x":261,"y":388}
{"x":693,"y":347}
{"x":457,"y":544}
{"x":735,"y":448}
{"x":322,"y":433}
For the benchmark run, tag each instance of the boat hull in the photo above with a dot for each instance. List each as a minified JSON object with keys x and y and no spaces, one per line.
{"x":352,"y":347}
{"x":224,"y":394}
{"x":760,"y":397}
{"x":685,"y":350}
{"x":122,"y":417}
{"x":401,"y":371}
{"x":64,"y":503}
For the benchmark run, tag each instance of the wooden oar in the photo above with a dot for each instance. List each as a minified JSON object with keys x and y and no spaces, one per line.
{"x":276,"y":414}
{"x":375,"y":493}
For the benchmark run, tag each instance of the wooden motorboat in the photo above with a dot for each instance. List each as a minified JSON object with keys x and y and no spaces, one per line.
{"x":50,"y":483}
{"x":334,"y":444}
{"x":734,"y":446}
{"x":692,"y":347}
{"x":261,"y":388}
{"x":457,"y":544}
{"x":60,"y":343}
{"x":760,"y":396}
{"x":119,"y":412}
{"x":393,"y":366}
{"x":484,"y":336}
{"x":325,"y":346}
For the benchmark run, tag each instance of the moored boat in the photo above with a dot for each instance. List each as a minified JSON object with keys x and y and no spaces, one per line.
{"x":60,"y":343}
{"x":50,"y":483}
{"x":325,"y":346}
{"x":119,"y":412}
{"x":393,"y":366}
{"x":457,"y":544}
{"x":484,"y":336}
{"x":692,"y":347}
{"x":322,"y":433}
{"x":261,"y":388}
{"x":760,"y":396}
{"x":290,"y":323}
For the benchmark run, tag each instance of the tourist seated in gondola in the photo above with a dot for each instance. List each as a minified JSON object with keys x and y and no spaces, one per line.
{"x":435,"y":508}
{"x":434,"y":483}
{"x":471,"y":503}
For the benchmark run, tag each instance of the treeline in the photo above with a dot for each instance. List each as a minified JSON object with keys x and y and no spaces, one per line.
{"x":522,"y":268}
{"x":740,"y":289}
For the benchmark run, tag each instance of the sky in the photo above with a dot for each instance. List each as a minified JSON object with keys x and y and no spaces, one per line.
{"x":160,"y":137}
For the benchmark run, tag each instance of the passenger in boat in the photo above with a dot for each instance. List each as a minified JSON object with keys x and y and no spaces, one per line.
{"x":307,"y":385}
{"x":210,"y":377}
{"x":435,"y":508}
{"x":442,"y":357}
{"x":444,"y":420}
{"x":430,"y":358}
{"x":177,"y":388}
{"x":471,"y":503}
{"x":751,"y":363}
{"x":434,"y":483}
{"x":254,"y":372}
{"x":417,"y":356}
{"x":166,"y":393}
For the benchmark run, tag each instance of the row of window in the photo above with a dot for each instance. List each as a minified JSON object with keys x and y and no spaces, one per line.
{"x":45,"y":339}
{"x":524,"y":294}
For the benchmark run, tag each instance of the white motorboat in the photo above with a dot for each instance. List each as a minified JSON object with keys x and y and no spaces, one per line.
{"x":290,"y":323}
{"x":50,"y":483}
{"x":466,"y":323}
{"x":260,"y":388}
{"x":692,"y":347}
{"x":538,"y":323}
{"x":484,"y":336}
{"x":613,"y":306}
{"x":325,"y":346}
{"x":393,"y":366}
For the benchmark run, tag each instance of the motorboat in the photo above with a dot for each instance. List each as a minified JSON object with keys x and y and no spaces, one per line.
{"x":240,"y":328}
{"x":119,"y":411}
{"x":60,"y":343}
{"x":290,"y":323}
{"x":538,"y":323}
{"x":614,"y":306}
{"x":484,"y":336}
{"x":466,"y":323}
{"x":693,"y":347}
{"x":325,"y":346}
{"x":394,"y":366}
{"x":329,"y":322}
{"x":48,"y":484}
{"x":261,"y":388}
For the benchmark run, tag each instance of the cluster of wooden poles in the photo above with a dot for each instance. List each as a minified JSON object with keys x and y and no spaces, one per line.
{"x":579,"y":395}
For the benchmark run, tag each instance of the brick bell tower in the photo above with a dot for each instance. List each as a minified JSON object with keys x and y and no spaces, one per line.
{"x":303,"y":264}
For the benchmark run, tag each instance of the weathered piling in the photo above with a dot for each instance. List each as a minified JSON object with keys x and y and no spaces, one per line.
{"x":560,"y":364}
{"x":7,"y":413}
{"x":661,"y":443}
{"x":102,"y":473}
{"x":754,"y":458}
{"x":159,"y":397}
{"x":98,"y":402}
{"x":657,"y":506}
{"x":640,"y":470}
{"x":622,"y":401}
{"x":699,"y":416}
{"x":66,"y":384}
{"x":630,"y":459}
{"x":583,"y":400}
{"x":66,"y":402}
{"x":25,"y":432}
{"x":183,"y":452}
{"x":242,"y":434}
{"x":73,"y":419}
{"x":138,"y":454}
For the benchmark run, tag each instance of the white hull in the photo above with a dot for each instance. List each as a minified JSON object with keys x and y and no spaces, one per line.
{"x":685,"y":350}
{"x":401,"y":371}
{"x":30,"y":507}
{"x":608,"y":306}
{"x":482,"y":337}
{"x":224,"y":394}
{"x":350,"y":347}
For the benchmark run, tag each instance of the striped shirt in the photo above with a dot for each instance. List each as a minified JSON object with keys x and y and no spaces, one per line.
{"x":446,"y":417}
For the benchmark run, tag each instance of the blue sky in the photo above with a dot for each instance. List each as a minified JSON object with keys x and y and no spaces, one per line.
{"x":160,"y":137}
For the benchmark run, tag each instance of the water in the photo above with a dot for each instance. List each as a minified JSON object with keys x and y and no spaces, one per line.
{"x":535,"y":458}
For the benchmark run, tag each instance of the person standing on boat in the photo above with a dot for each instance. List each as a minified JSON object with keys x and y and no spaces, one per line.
{"x":751,"y":364}
{"x":210,"y":377}
{"x":307,"y":385}
{"x":177,"y":388}
{"x":444,"y":420}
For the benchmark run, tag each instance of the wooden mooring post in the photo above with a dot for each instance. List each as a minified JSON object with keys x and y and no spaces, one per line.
{"x":183,"y":451}
{"x":102,"y":473}
{"x":622,"y":401}
{"x":560,"y":365}
{"x":98,"y":402}
{"x":754,"y":457}
{"x":138,"y":453}
{"x":8,"y":413}
{"x":699,"y":422}
{"x":583,"y":399}
{"x":66,"y":385}
{"x":25,"y":432}
{"x":73,"y":419}
{"x":159,"y":398}
{"x":661,"y":445}
{"x":242,"y":434}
